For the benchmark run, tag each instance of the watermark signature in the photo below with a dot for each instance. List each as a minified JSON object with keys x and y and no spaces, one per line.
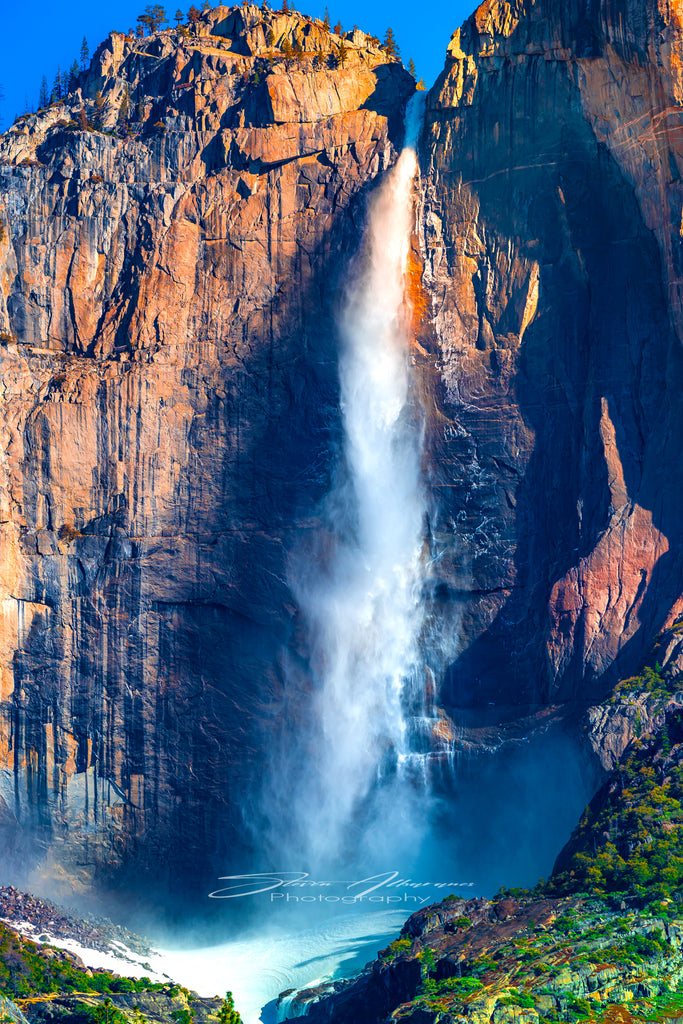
{"x":287,"y":886}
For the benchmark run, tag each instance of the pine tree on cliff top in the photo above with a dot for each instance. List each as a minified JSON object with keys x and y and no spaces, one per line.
{"x":44,"y":97}
{"x":57,"y":87}
{"x":73,"y":77}
{"x":85,"y":54}
{"x":157,"y":17}
{"x":390,"y":46}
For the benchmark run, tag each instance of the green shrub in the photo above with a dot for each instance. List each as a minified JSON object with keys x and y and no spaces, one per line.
{"x":395,"y":948}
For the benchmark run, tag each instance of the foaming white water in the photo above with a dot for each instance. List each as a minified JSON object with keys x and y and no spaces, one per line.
{"x":362,"y":602}
{"x":257,"y":969}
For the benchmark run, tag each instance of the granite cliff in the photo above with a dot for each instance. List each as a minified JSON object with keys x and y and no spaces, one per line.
{"x":174,"y":241}
{"x":552,"y":234}
{"x":168,"y":412}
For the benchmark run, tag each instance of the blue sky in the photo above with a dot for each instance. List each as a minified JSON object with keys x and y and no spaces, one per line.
{"x":34,"y":41}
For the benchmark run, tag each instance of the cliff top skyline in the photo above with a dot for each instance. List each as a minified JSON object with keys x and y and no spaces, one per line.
{"x":55,"y":40}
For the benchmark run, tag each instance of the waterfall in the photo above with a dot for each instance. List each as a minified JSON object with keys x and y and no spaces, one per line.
{"x":361,"y":597}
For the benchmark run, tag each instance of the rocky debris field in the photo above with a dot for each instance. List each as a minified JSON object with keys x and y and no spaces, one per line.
{"x":42,"y":917}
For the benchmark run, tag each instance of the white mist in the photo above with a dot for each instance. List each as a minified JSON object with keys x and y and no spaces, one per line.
{"x":364,"y":606}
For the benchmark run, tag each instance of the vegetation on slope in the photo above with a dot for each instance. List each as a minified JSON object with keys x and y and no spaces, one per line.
{"x":51,"y":984}
{"x":570,"y":960}
{"x":27,"y":969}
{"x":630,"y":838}
{"x":601,"y":940}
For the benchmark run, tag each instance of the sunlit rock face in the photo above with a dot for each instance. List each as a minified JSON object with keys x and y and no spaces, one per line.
{"x":169,"y":416}
{"x":552,"y":240}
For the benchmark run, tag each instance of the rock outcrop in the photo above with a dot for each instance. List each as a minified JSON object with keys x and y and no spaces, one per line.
{"x":173,"y":237}
{"x":512,"y":959}
{"x":551,"y":237}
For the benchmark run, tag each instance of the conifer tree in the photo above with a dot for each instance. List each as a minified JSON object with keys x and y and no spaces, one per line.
{"x":57,"y":87}
{"x":227,"y":1013}
{"x":343,"y":52}
{"x":338,"y":28}
{"x":287,"y":51}
{"x":157,"y":14}
{"x":390,"y":46}
{"x":85,"y":54}
{"x":411,"y":68}
{"x":44,"y":96}
{"x":73,"y":76}
{"x":178,"y":16}
{"x":154,"y":18}
{"x":193,"y":15}
{"x":326,"y":20}
{"x":99,"y":104}
{"x":124,"y":109}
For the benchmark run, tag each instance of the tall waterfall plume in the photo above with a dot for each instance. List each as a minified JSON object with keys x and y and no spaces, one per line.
{"x":363,"y":603}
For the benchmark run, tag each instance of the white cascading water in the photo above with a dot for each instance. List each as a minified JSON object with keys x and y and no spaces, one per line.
{"x":364,"y":607}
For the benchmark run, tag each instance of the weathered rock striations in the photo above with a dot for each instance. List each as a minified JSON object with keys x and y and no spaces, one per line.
{"x":173,"y":241}
{"x":169,"y":396}
{"x":551,"y":237}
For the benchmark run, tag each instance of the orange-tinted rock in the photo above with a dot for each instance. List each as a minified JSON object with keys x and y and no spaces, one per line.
{"x":551,"y":233}
{"x":165,"y":423}
{"x":170,"y":414}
